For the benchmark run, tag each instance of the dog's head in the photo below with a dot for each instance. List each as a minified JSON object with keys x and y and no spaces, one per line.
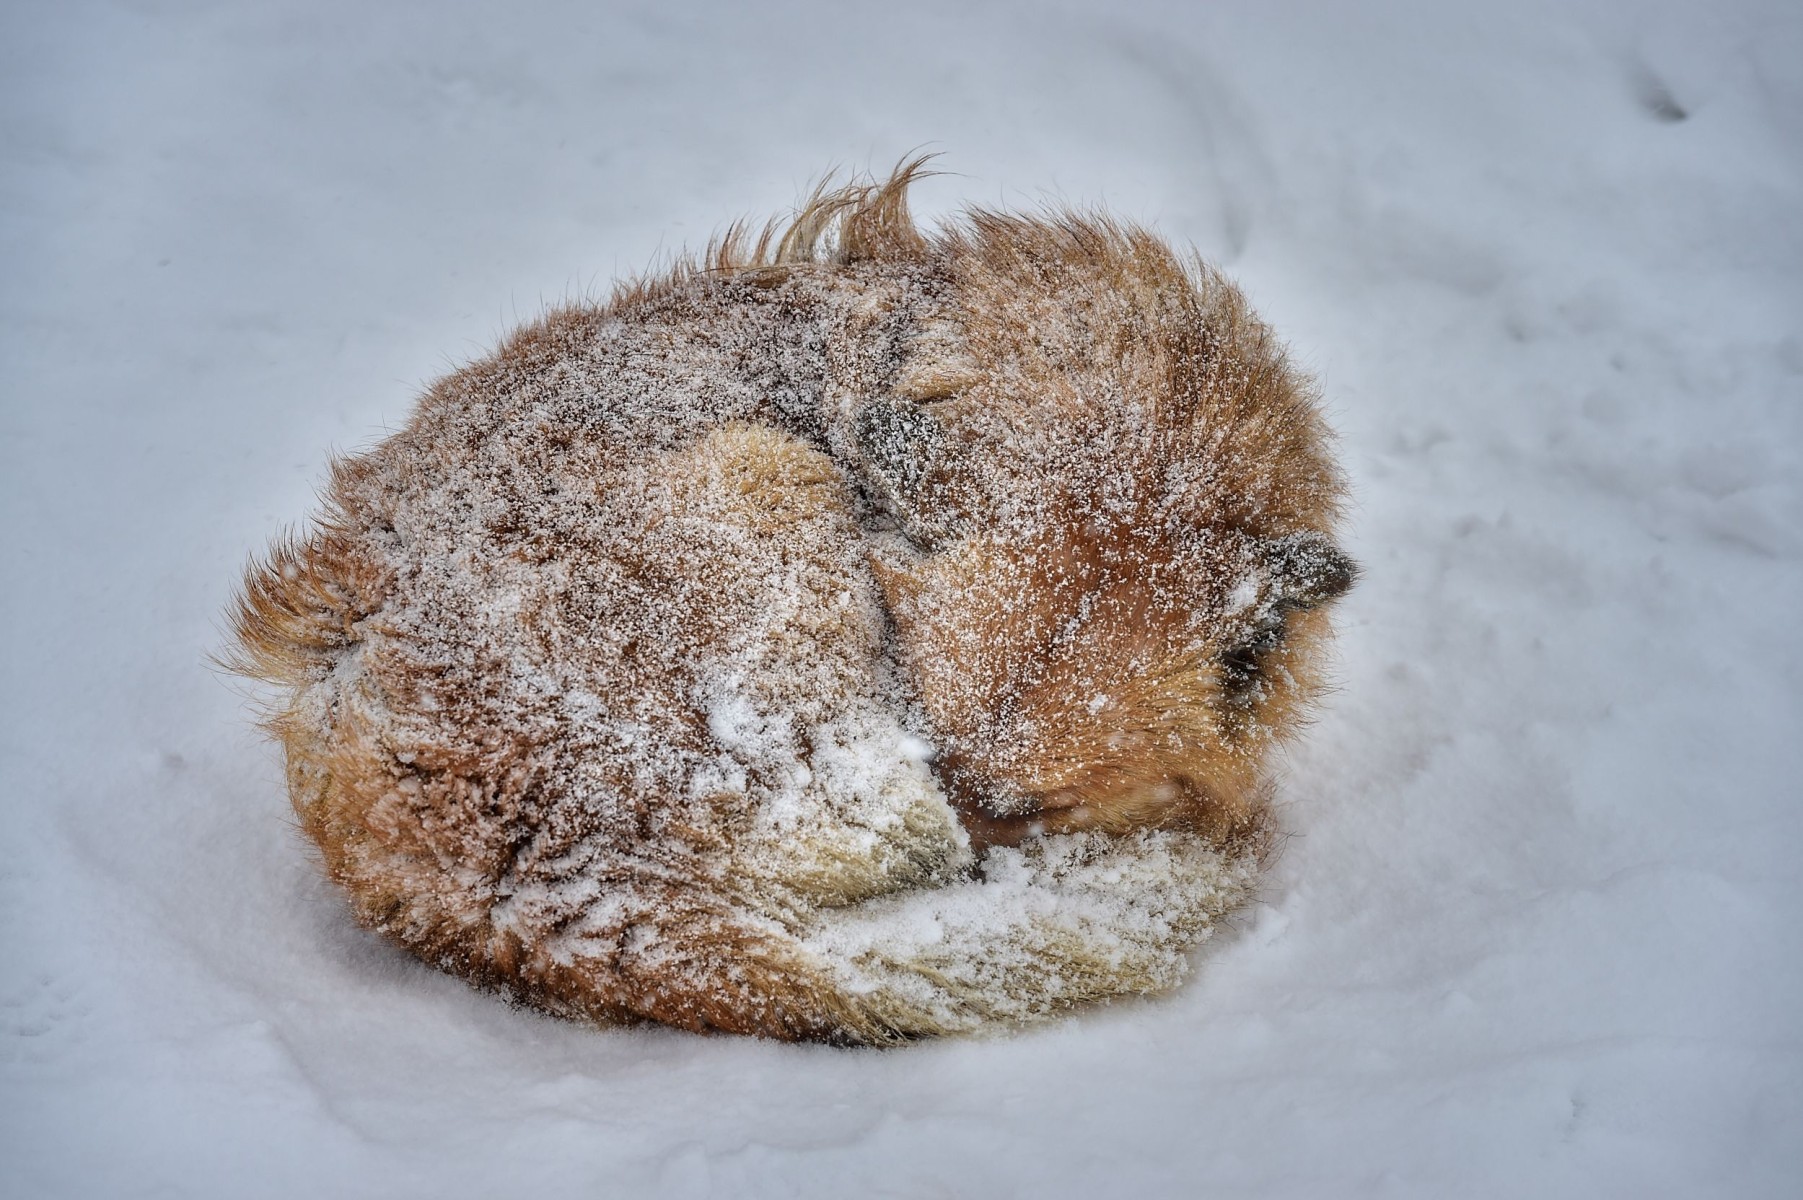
{"x":1113,"y":511}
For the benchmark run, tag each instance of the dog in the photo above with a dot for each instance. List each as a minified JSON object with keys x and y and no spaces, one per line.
{"x":853,"y":634}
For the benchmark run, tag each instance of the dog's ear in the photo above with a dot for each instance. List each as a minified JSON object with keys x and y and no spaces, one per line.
{"x":1307,"y":570}
{"x":907,"y":456}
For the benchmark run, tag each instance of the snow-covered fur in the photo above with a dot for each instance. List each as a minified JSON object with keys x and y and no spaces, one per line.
{"x":856,"y":634}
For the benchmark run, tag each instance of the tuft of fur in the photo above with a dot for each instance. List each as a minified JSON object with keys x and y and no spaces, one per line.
{"x":855,"y":634}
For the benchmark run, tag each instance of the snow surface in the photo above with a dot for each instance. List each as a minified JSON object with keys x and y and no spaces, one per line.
{"x":1535,"y":932}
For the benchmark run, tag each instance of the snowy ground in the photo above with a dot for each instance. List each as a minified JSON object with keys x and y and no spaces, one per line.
{"x":1529,"y":938}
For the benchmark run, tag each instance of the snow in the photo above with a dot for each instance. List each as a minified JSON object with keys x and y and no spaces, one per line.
{"x":1532,"y":933}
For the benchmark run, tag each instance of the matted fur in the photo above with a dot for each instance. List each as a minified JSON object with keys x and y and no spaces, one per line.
{"x":855,"y":634}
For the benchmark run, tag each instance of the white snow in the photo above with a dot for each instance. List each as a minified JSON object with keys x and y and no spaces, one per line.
{"x":1535,"y":932}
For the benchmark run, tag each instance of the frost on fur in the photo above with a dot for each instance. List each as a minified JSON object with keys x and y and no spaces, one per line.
{"x":857,"y":634}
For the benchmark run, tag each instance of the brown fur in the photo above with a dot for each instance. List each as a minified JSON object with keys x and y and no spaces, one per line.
{"x":1033,"y":489}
